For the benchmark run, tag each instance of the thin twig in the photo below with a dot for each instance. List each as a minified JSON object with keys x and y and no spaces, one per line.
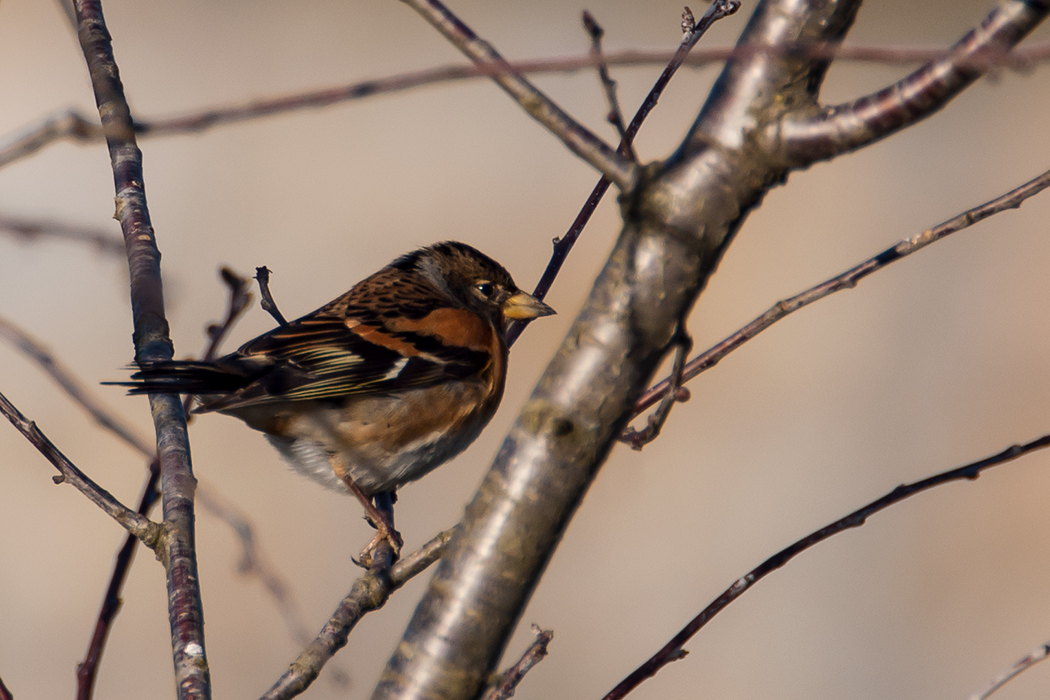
{"x":252,"y":562}
{"x":73,"y":387}
{"x":143,"y":528}
{"x":262,"y":275}
{"x":615,"y":115}
{"x":672,"y":651}
{"x":578,"y":138}
{"x":369,"y":592}
{"x":1040,"y":653}
{"x":87,"y":670}
{"x":637,"y":439}
{"x":847,"y":280}
{"x":563,"y":246}
{"x":507,"y":682}
{"x":238,"y":299}
{"x":237,"y":302}
{"x":73,"y":125}
{"x":32,"y":229}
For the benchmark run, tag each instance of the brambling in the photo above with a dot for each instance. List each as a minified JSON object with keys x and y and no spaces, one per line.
{"x":377,"y":387}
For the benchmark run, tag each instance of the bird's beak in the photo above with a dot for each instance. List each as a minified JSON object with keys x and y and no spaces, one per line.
{"x":523,"y":306}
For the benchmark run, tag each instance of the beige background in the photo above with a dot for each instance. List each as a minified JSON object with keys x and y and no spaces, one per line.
{"x":934,"y":362}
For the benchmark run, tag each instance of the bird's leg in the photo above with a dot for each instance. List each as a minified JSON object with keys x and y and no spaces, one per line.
{"x":381,"y":516}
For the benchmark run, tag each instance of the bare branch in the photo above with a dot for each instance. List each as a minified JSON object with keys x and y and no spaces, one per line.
{"x":141,"y":527}
{"x":252,"y":563}
{"x":71,"y":125}
{"x":87,"y":670}
{"x":152,"y":343}
{"x":262,"y":276}
{"x":677,"y":225}
{"x":30,"y":229}
{"x":74,"y":126}
{"x":847,"y":280}
{"x":846,"y":127}
{"x":617,"y":167}
{"x":563,"y":245}
{"x":638,"y":439}
{"x":672,"y":651}
{"x":504,"y":687}
{"x":238,"y":300}
{"x":369,"y":592}
{"x":1037,"y":655}
{"x":73,"y":387}
{"x":615,"y":116}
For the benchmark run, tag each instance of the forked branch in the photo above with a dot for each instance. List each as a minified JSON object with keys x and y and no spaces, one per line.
{"x":846,"y":127}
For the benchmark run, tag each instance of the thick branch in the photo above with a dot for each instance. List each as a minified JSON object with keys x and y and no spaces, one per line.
{"x":152,"y":343}
{"x":678,"y":222}
{"x":672,"y":651}
{"x":846,"y":127}
{"x":614,"y":165}
{"x":564,"y":245}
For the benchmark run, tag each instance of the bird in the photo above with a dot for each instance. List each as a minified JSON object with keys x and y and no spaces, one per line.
{"x":377,"y":387}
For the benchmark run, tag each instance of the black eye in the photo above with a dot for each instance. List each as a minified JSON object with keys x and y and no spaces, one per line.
{"x":486,"y":289}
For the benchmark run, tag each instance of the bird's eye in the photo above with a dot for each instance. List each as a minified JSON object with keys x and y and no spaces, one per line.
{"x":486,"y":289}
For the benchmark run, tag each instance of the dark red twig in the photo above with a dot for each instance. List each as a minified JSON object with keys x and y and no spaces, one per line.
{"x":504,"y":687}
{"x":847,"y":280}
{"x":563,"y":245}
{"x":5,"y":694}
{"x":87,"y":670}
{"x":672,"y":651}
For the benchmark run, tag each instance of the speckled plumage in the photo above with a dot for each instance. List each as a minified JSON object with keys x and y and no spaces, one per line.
{"x":380,"y":385}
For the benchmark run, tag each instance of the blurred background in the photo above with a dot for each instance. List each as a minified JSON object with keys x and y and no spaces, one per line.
{"x":934,"y":362}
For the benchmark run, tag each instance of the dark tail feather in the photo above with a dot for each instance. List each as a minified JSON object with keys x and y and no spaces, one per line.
{"x":182,"y":377}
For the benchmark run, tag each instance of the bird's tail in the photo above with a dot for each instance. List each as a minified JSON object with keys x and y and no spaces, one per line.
{"x":183,"y":377}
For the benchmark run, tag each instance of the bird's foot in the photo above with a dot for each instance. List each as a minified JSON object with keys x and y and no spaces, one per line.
{"x":380,"y":515}
{"x":385,"y":535}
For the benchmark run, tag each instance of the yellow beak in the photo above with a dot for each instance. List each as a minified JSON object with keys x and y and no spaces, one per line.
{"x":523,"y":306}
